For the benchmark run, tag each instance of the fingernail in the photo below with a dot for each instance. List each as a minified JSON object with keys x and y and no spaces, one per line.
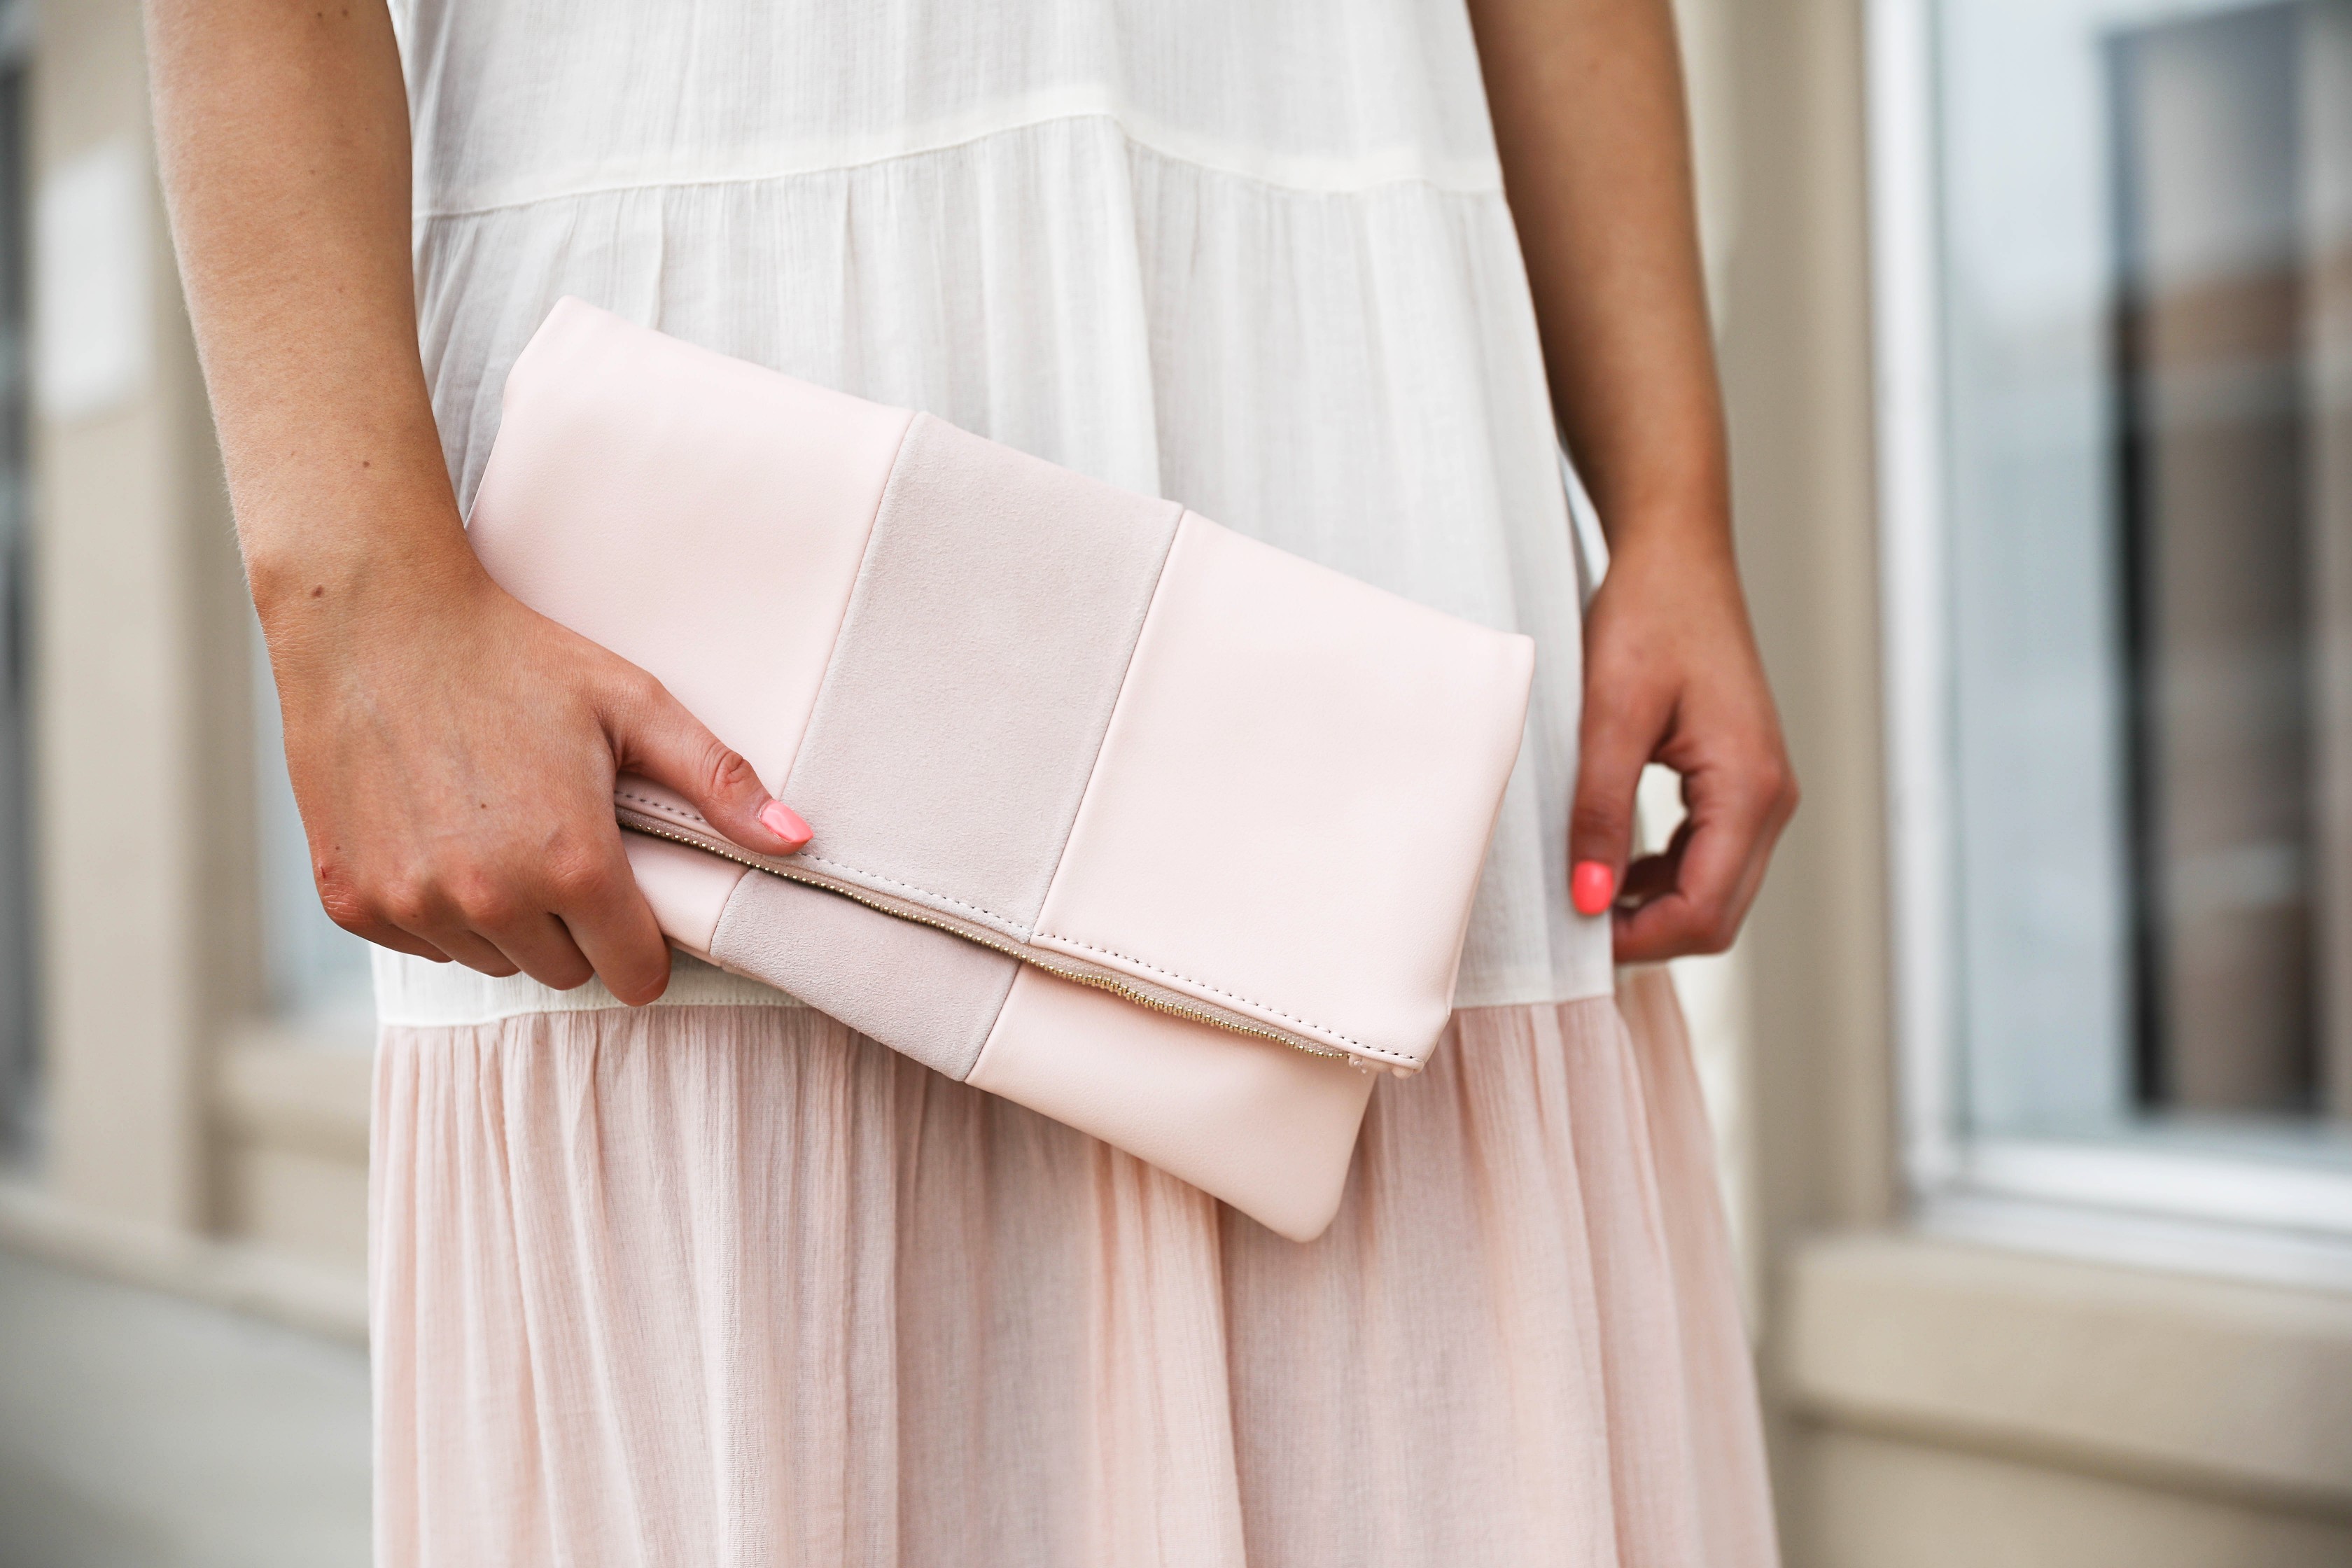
{"x":785,"y":823}
{"x":1590,"y":887}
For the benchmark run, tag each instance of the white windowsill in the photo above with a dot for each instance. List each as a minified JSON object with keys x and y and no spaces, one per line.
{"x":2156,"y":1183}
{"x":2226,"y":1387}
{"x":2082,"y":1234}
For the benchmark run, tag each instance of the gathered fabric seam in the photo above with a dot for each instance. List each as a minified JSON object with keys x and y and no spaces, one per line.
{"x":1413,"y":169}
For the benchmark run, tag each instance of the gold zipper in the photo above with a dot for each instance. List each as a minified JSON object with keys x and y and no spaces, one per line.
{"x":1082,"y":974}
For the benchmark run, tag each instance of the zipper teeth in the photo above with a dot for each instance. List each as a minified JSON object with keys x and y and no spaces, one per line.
{"x":1100,"y":982}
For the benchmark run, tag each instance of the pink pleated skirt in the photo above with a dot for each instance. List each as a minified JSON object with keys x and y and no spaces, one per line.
{"x":734,"y":1288}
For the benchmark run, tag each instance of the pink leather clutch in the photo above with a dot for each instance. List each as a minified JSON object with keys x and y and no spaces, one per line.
{"x":1153,"y":828}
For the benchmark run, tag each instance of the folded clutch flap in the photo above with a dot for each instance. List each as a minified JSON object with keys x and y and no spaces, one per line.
{"x":1266,"y":1128}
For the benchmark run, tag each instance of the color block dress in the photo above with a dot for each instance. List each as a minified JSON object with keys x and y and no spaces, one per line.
{"x":719,"y":1282}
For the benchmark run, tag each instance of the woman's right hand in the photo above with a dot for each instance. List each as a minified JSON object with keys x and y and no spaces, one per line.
{"x":453,"y":753}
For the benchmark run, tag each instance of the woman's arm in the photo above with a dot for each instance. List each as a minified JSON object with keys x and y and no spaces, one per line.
{"x":1588,"y":118}
{"x":452,"y":752}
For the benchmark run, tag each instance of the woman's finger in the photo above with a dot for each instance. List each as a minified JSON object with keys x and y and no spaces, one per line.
{"x":1723,"y":846}
{"x":470,"y":949}
{"x":1620,"y":735}
{"x":386,"y":935}
{"x":655,"y":735}
{"x":613,"y":925}
{"x":541,"y":946}
{"x":1653,"y":875}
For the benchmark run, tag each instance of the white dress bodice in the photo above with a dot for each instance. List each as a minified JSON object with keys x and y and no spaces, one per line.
{"x":1248,"y":256}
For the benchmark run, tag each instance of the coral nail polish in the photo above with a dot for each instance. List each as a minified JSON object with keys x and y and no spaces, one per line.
{"x":785,"y":823}
{"x":1590,"y":887}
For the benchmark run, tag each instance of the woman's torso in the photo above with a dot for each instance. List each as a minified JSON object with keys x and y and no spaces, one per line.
{"x":1253,"y":256}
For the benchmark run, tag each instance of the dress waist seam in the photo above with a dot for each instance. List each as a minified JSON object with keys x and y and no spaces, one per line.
{"x":1308,"y":174}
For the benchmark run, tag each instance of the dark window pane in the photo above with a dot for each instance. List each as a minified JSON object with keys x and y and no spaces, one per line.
{"x":2215,"y":526}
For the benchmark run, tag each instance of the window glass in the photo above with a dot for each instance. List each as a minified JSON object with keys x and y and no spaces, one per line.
{"x":2147,"y":341}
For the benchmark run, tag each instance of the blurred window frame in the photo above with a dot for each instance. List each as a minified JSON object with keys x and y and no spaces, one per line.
{"x":2120,"y":1201}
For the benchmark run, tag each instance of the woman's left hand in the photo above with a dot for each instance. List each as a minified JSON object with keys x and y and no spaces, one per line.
{"x":1671,"y":675}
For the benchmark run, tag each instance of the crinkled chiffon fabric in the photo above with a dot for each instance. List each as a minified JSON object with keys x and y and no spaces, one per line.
{"x":730,"y":1285}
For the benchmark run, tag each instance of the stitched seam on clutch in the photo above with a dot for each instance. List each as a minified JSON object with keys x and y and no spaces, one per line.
{"x":1118,"y":701}
{"x":856,"y":581}
{"x":1325,"y":1030}
{"x":699,"y":820}
{"x":1011,"y":925}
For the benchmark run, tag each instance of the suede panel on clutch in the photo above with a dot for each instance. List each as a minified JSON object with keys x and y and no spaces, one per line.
{"x":917,"y":990}
{"x":985,"y":640}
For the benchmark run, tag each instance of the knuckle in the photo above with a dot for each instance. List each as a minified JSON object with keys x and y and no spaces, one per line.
{"x":348,"y":909}
{"x":1752,"y":797}
{"x":408,"y":901}
{"x":1715,"y":931}
{"x":578,"y":877}
{"x":1599,"y":821}
{"x":340,"y":896}
{"x":722,"y":770}
{"x":484,"y":899}
{"x":642,"y":693}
